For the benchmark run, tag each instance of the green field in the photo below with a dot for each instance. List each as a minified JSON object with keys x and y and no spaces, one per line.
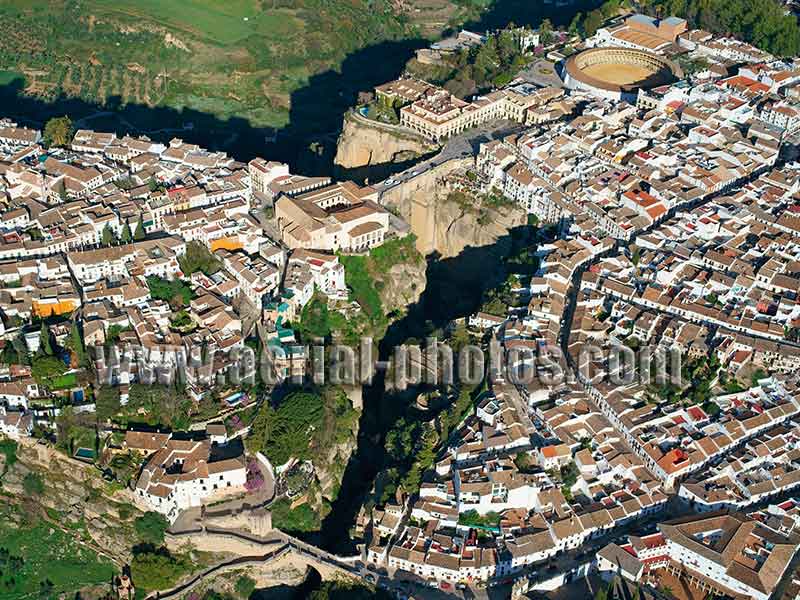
{"x":49,"y":553}
{"x":238,"y":58}
{"x":221,"y":22}
{"x":63,"y":382}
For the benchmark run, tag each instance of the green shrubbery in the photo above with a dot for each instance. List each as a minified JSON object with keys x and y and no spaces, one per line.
{"x":158,"y":570}
{"x":176,"y":292}
{"x":763,"y":23}
{"x":300,"y":519}
{"x":303,"y":425}
{"x":150,"y":527}
{"x":493,"y":64}
{"x":198,"y":258}
{"x":471,"y":518}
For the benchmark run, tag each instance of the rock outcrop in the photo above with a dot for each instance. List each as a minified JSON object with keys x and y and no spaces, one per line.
{"x":402,"y":285}
{"x":372,"y":151}
{"x":443,"y":226}
{"x":75,"y":495}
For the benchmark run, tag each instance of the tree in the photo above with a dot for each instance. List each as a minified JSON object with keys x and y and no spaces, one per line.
{"x":58,"y":131}
{"x":760,"y":22}
{"x":33,"y":485}
{"x":157,"y":570}
{"x":198,"y":258}
{"x":108,"y":236}
{"x":635,"y":255}
{"x":593,"y":22}
{"x":524,"y":462}
{"x":569,"y":474}
{"x":245,"y":586}
{"x":75,"y":343}
{"x":314,"y":319}
{"x":45,"y":343}
{"x":176,"y":292}
{"x":460,"y":337}
{"x":282,"y":433}
{"x":546,"y":32}
{"x":575,"y":26}
{"x":139,"y":234}
{"x":61,"y":189}
{"x":150,"y":527}
{"x":758,"y":374}
{"x":127,"y":236}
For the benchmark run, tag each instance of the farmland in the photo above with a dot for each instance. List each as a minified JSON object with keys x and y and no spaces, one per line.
{"x":220,"y":22}
{"x":240,"y":58}
{"x":251,"y":77}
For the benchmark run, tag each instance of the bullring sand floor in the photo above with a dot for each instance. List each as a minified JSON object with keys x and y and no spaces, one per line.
{"x":619,"y":74}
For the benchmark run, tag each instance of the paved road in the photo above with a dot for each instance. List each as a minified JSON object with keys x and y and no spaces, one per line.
{"x":542,"y":73}
{"x":463,"y":145}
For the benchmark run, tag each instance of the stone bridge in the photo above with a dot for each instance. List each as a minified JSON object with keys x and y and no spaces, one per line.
{"x":254,"y":551}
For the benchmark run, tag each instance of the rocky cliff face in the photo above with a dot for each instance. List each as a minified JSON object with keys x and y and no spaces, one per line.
{"x":75,"y":497}
{"x":448,"y":227}
{"x":371,"y":151}
{"x":402,"y":285}
{"x":457,"y":228}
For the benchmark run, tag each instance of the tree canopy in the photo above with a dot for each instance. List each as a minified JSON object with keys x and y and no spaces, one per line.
{"x":74,"y":343}
{"x":46,"y":367}
{"x":108,"y":236}
{"x":126,"y":236}
{"x":285,"y":431}
{"x":198,"y":258}
{"x":763,"y":23}
{"x":176,"y":292}
{"x":139,"y":233}
{"x":304,"y":425}
{"x":470,"y":71}
{"x":45,"y":341}
{"x":158,"y":570}
{"x":58,"y":131}
{"x":245,"y":586}
{"x":150,"y":527}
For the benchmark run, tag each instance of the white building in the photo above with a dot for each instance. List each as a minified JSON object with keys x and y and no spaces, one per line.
{"x":728,"y":554}
{"x":180,"y":475}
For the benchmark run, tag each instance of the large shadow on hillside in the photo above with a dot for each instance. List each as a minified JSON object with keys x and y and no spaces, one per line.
{"x":308,"y":141}
{"x":529,"y":13}
{"x":160,"y":123}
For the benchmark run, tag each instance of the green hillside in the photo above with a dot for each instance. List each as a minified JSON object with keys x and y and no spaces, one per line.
{"x":237,"y":57}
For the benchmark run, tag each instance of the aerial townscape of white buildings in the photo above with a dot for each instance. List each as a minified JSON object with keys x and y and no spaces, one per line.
{"x":676,"y":219}
{"x":676,"y":207}
{"x":273,"y":234}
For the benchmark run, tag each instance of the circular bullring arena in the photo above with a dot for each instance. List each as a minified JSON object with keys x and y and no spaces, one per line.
{"x":618,"y":73}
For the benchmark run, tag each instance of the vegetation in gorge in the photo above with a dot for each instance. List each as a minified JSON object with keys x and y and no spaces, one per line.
{"x":303,"y":425}
{"x":368,"y":279}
